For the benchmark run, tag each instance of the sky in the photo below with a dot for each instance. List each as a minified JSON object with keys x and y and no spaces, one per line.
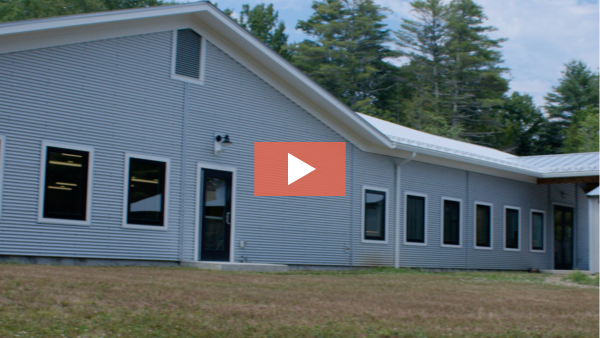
{"x":542,"y":35}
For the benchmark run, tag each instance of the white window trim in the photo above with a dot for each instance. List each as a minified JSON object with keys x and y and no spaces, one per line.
{"x":387,"y":212}
{"x":460,"y":223}
{"x":166,"y":160}
{"x":42,"y":190}
{"x":200,"y":80}
{"x":411,"y":193}
{"x":531,"y":249}
{"x":198,"y":224}
{"x":519,"y":229}
{"x":2,"y":152}
{"x":491,"y":247}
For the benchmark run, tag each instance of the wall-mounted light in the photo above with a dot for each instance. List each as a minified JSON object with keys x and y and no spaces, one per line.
{"x":221,"y":140}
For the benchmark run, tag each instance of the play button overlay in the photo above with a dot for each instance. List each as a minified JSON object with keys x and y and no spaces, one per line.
{"x":300,"y":169}
{"x":297,"y":169}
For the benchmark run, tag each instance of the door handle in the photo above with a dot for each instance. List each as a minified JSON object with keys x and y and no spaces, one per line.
{"x":228,"y":218}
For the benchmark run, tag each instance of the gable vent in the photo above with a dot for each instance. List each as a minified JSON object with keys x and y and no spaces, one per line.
{"x":187,"y":62}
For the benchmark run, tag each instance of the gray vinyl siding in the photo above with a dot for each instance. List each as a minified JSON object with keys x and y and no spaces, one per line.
{"x":94,"y":94}
{"x":437,"y":182}
{"x":294,"y":230}
{"x":117,"y":96}
{"x":379,"y":172}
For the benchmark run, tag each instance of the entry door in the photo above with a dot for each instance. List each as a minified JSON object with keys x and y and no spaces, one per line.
{"x":563,"y":238}
{"x":215,"y":214}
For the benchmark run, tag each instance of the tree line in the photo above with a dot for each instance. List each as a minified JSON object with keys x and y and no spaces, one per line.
{"x":439,"y":71}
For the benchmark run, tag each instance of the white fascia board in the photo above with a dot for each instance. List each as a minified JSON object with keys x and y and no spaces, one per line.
{"x":570,"y":174}
{"x":96,"y":18}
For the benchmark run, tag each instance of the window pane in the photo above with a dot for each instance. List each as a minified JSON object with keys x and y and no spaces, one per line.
{"x":374,"y":215}
{"x":512,"y":228}
{"x":415,"y":219}
{"x":146,"y":192}
{"x":537,"y":231}
{"x":188,"y":53}
{"x":484,"y":226}
{"x":65,"y":189}
{"x":451,"y":222}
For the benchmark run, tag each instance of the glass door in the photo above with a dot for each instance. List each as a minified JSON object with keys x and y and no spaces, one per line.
{"x":215,"y":211}
{"x":563,"y":238}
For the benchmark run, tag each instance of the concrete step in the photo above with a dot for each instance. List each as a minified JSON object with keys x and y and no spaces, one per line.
{"x":228,"y":266}
{"x":563,"y":272}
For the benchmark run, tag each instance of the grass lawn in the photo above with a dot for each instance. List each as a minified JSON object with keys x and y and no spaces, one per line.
{"x":57,"y":301}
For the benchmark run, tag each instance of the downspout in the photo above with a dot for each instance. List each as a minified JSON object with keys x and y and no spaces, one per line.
{"x":399,"y":165}
{"x":186,"y":92}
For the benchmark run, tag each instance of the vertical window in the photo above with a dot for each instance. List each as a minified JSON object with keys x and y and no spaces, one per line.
{"x":374,"y":215}
{"x":415,"y":219}
{"x":483,"y":226}
{"x":537,"y":230}
{"x":65,"y":184}
{"x":187,"y":49}
{"x":146,"y":191}
{"x":451,"y":224}
{"x":511,"y":228}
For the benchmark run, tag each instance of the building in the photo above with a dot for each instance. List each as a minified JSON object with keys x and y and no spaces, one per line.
{"x":111,"y":135}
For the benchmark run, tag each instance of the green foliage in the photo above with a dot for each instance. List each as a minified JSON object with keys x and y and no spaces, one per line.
{"x":12,"y":10}
{"x":263,"y":22}
{"x":582,"y":278}
{"x":457,"y":85}
{"x":573,"y":109}
{"x":347,"y":55}
{"x":521,"y":123}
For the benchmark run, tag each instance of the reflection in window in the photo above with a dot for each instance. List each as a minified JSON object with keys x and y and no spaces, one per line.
{"x":415,"y":219}
{"x":537,"y":231}
{"x":146,"y":192}
{"x":511,"y":230}
{"x":65,"y":189}
{"x":451,"y":222}
{"x":484,"y":226}
{"x":374,"y":215}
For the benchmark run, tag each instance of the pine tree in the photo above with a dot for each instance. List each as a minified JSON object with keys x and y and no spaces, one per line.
{"x":573,"y":109}
{"x":263,"y":22}
{"x":521,"y":125}
{"x":475,"y":85}
{"x":347,"y":56}
{"x":423,"y":40}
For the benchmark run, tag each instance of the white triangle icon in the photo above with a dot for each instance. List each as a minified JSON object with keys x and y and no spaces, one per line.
{"x":297,"y":169}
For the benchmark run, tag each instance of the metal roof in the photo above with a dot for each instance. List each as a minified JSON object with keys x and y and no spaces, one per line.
{"x":564,"y":165}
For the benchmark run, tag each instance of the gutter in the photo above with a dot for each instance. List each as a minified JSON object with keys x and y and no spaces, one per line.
{"x":399,"y":165}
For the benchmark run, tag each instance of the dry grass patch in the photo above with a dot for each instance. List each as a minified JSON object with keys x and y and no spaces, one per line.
{"x":50,"y":301}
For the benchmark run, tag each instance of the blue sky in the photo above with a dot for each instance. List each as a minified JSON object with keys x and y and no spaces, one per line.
{"x":542,"y":34}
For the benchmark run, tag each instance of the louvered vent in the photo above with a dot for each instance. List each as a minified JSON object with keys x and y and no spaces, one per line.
{"x":188,"y":53}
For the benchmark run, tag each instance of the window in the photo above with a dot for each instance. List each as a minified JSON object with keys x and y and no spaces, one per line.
{"x":65,"y":184}
{"x":483,"y":226}
{"x":537,"y":230}
{"x":146,"y":192}
{"x":188,"y":54}
{"x":415,"y":219}
{"x":374,"y":215}
{"x":512,"y":227}
{"x":451,"y":222}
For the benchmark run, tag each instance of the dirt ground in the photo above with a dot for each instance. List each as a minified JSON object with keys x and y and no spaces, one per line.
{"x":59,"y":301}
